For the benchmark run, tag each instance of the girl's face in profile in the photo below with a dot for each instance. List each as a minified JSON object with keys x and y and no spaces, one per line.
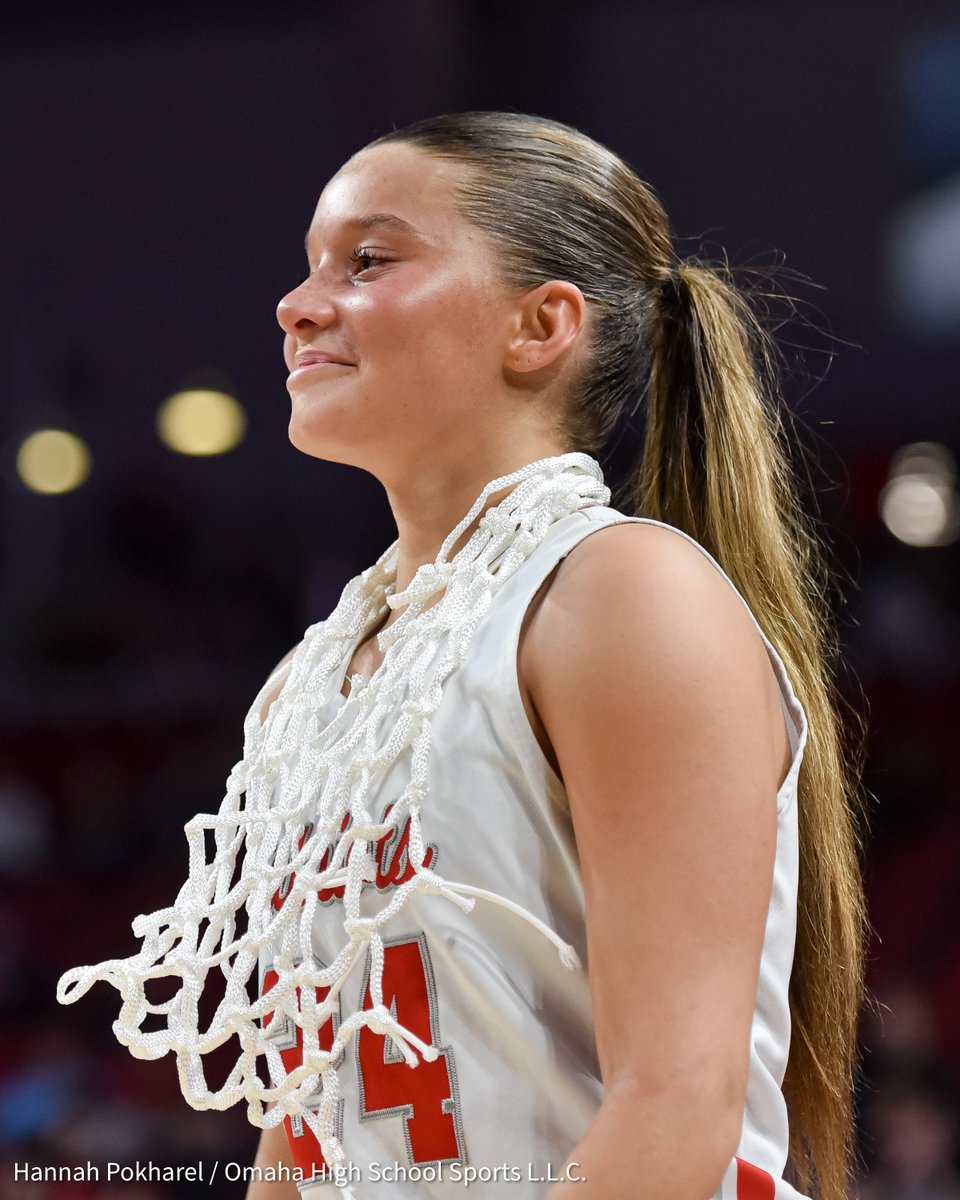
{"x":395,"y":339}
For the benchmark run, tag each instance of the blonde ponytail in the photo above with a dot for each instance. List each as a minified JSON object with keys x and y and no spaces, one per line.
{"x":714,"y":464}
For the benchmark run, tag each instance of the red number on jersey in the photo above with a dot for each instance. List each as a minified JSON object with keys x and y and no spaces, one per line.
{"x":426,"y":1096}
{"x":288,"y":1039}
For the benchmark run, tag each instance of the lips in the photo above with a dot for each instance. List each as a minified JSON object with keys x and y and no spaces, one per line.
{"x":312,"y":358}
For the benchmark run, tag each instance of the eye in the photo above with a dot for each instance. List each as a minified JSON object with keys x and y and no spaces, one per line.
{"x":364,"y":257}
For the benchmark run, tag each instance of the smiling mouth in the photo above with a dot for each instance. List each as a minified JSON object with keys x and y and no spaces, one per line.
{"x":316,"y":367}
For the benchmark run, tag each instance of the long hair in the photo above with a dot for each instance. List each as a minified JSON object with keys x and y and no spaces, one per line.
{"x":714,"y":463}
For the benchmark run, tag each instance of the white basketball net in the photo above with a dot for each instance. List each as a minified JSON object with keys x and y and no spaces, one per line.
{"x":297,"y":770}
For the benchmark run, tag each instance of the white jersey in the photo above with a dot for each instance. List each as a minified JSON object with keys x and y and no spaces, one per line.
{"x":517,"y":1081}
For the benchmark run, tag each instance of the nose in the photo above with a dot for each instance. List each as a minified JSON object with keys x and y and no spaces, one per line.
{"x":304,"y":306}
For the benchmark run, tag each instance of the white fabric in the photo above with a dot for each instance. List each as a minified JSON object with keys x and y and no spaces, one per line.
{"x":516,"y":1025}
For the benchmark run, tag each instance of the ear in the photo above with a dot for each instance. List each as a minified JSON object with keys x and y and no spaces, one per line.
{"x":547,"y":322}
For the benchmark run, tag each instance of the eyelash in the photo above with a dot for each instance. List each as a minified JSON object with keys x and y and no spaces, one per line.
{"x":363,"y":252}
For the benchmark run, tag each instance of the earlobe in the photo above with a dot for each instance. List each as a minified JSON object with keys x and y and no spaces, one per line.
{"x":549,"y":322}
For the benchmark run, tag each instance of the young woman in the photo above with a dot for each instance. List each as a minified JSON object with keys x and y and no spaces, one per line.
{"x":548,"y":864}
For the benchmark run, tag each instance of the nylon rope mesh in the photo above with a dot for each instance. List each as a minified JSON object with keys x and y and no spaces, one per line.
{"x":299,"y":771}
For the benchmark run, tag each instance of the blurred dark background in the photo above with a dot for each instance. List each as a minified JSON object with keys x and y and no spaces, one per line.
{"x":160,"y":165}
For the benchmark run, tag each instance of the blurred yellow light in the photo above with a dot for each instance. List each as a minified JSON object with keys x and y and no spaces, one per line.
{"x":52,"y":461}
{"x":201,"y":421}
{"x":919,"y":511}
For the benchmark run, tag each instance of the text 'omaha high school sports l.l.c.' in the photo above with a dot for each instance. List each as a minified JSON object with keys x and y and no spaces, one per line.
{"x":208,"y":1172}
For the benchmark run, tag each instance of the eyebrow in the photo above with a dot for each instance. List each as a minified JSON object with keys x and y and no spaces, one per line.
{"x":387,"y":221}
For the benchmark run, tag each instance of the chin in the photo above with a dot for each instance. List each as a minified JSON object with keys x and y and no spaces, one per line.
{"x":323,"y":444}
{"x":309,"y":442}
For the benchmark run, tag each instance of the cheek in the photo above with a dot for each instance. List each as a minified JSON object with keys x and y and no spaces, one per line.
{"x":431,"y":321}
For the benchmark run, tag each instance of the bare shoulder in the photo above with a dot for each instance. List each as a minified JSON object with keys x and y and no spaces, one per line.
{"x":636,"y":616}
{"x":636,"y":585}
{"x":646,"y":566}
{"x":278,"y":686}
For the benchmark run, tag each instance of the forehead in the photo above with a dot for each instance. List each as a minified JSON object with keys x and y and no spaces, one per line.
{"x":398,"y":179}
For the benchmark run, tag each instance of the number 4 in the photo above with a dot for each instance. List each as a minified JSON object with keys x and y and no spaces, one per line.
{"x":426,"y":1096}
{"x":287,"y":1036}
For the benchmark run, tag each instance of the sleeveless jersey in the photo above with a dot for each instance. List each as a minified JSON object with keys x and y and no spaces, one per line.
{"x":517,"y":1080}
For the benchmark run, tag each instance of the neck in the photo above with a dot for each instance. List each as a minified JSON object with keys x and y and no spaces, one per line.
{"x":427,"y":507}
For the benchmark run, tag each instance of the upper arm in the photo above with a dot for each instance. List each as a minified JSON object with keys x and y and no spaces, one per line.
{"x":654,"y":688}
